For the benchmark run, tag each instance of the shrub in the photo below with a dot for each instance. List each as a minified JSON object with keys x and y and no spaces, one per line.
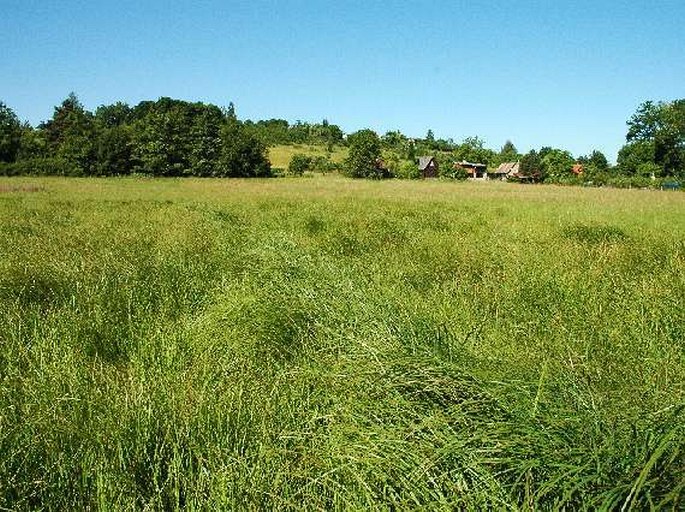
{"x":299,"y":164}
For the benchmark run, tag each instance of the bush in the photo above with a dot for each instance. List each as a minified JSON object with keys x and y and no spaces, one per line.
{"x":453,"y":173}
{"x":407,"y":170}
{"x":299,"y":164}
{"x":38,"y":167}
{"x":322,"y":164}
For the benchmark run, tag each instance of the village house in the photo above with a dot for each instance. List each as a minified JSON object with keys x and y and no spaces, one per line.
{"x":428,"y":167}
{"x":474,"y":170}
{"x":505,"y":171}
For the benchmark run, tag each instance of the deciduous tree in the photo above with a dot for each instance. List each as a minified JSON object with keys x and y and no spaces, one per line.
{"x":10,"y":134}
{"x":364,"y":156}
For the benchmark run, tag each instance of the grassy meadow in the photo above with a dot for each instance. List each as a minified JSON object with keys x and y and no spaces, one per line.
{"x":325,"y":344}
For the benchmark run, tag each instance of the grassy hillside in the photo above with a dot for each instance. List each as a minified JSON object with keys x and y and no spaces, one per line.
{"x":280,"y":155}
{"x":327,"y":344}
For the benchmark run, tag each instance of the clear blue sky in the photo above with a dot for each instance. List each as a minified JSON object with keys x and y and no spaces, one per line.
{"x":566,"y":74}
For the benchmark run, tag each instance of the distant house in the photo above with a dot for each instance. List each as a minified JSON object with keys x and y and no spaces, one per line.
{"x":577,"y":169}
{"x":506,"y":170}
{"x":474,"y":170}
{"x":428,"y":167}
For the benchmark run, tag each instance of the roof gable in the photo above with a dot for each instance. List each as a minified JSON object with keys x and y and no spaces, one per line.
{"x":424,"y":162}
{"x":508,"y":168}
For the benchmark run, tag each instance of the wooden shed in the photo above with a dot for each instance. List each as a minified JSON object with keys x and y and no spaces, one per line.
{"x":474,"y":170}
{"x":428,"y":167}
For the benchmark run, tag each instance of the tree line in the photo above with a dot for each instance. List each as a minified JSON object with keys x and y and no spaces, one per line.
{"x":166,"y":137}
{"x":170,"y":137}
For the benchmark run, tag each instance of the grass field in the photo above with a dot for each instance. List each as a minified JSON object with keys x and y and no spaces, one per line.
{"x":333,"y":344}
{"x":281,"y":155}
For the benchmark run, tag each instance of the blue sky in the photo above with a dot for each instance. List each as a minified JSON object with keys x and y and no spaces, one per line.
{"x":564,"y":74}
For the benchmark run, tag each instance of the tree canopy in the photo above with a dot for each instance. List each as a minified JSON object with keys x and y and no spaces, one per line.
{"x":10,"y":134}
{"x":655,"y":139}
{"x":166,"y":137}
{"x":364,"y":159}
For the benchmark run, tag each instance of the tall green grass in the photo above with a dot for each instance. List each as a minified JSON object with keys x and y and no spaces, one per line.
{"x":331,"y":344}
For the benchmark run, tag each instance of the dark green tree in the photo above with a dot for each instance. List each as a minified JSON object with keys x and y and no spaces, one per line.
{"x":531,"y":165}
{"x":205,"y":140}
{"x":10,"y":134}
{"x":33,"y":144}
{"x":242,"y":154}
{"x":662,"y":125}
{"x":508,"y":152}
{"x":363,"y":160}
{"x":159,"y":142}
{"x":598,"y":162}
{"x":109,"y":116}
{"x":70,"y":135}
{"x":114,"y":151}
{"x":635,"y":156}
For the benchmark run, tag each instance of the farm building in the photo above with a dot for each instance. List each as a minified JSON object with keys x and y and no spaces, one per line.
{"x":505,"y":170}
{"x":577,"y":169}
{"x":428,"y":167}
{"x":474,"y":170}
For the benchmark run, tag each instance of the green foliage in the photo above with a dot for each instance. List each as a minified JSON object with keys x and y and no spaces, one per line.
{"x":660,"y":127}
{"x":166,"y":137}
{"x":407,"y":170}
{"x":69,"y":135}
{"x":507,"y":153}
{"x":114,"y":151}
{"x":279,"y":131}
{"x":556,"y":163}
{"x":452,"y":172}
{"x":473,"y":149}
{"x":176,"y":138}
{"x":170,"y":137}
{"x":365,"y":155}
{"x":394,"y":140}
{"x":598,"y":161}
{"x":531,"y":165}
{"x":110,"y":116}
{"x":242,"y":154}
{"x":634,"y":154}
{"x":33,"y":144}
{"x":299,"y":164}
{"x":10,"y":134}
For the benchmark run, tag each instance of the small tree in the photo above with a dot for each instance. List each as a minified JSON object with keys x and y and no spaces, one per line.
{"x":299,"y":164}
{"x":598,"y":161}
{"x":242,"y":154}
{"x":557,"y":163}
{"x":508,"y":153}
{"x":530,"y":165}
{"x":364,"y":156}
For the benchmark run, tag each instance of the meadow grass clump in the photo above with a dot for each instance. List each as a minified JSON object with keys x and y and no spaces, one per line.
{"x":333,"y":344}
